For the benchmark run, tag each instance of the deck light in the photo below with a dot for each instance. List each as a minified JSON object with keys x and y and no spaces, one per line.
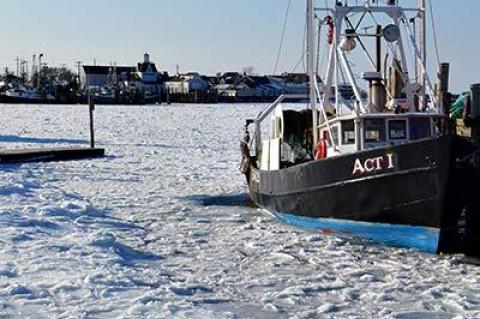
{"x":348,"y":42}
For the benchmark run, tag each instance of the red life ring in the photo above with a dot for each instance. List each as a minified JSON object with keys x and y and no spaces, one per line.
{"x":322,"y":148}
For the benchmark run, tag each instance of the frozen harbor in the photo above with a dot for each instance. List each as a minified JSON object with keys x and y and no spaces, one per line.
{"x":160,"y":228}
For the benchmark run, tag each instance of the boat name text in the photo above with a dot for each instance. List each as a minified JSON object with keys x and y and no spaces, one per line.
{"x":375,"y":164}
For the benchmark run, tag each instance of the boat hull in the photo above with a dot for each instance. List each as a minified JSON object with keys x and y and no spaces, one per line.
{"x":417,"y":237}
{"x":405,"y":195}
{"x":6,"y":99}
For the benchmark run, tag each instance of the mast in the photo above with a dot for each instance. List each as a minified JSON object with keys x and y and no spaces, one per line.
{"x":423,"y":51}
{"x":34,"y":68}
{"x":39,"y":78}
{"x":311,"y":69}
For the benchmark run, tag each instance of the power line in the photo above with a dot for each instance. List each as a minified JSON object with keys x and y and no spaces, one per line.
{"x":434,"y":30}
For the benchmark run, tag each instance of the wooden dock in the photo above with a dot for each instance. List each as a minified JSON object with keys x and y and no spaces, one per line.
{"x":49,"y":155}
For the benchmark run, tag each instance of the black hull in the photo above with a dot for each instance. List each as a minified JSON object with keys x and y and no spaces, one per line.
{"x":423,"y":185}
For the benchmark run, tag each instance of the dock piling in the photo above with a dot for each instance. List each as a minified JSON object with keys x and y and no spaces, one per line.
{"x":91,"y":104}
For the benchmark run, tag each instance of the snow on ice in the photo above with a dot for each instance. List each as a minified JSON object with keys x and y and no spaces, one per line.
{"x":160,"y":228}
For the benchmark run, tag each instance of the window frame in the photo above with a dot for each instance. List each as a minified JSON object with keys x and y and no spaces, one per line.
{"x":346,"y":141}
{"x":383,"y":134}
{"x":406,"y":129}
{"x":429,"y":127}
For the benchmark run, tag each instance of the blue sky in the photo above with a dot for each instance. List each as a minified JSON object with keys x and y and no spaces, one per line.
{"x":199,"y":35}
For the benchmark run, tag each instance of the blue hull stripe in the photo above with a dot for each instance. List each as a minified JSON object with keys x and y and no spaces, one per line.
{"x":420,"y":238}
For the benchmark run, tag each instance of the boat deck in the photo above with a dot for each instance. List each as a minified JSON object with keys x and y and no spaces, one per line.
{"x":49,"y":155}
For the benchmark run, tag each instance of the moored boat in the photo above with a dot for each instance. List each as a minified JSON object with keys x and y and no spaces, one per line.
{"x":391,"y":169}
{"x":26,"y":96}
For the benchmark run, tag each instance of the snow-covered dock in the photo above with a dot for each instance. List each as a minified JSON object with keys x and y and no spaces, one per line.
{"x":49,"y":154}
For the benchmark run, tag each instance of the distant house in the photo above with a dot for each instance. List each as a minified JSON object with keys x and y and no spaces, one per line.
{"x":293,"y":83}
{"x":237,"y":87}
{"x":230,"y":78}
{"x":147,"y":70}
{"x":96,"y":76}
{"x":227,"y":84}
{"x":148,"y":78}
{"x":259,"y":86}
{"x":211,"y":80}
{"x":187,"y":83}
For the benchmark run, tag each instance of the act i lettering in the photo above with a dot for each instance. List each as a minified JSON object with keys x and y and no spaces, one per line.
{"x":375,"y":164}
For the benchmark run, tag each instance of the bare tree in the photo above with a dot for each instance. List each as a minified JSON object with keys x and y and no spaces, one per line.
{"x":248,"y":70}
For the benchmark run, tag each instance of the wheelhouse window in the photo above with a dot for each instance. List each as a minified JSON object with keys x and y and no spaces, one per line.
{"x":374,"y":130}
{"x":348,"y":132}
{"x":397,"y":129}
{"x":420,"y":128}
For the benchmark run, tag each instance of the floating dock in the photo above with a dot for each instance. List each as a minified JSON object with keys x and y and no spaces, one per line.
{"x":49,"y":155}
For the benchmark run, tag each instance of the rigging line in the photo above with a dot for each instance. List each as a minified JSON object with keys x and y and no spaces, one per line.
{"x":304,"y":46}
{"x":323,"y":60}
{"x":302,"y":57}
{"x":344,"y":80}
{"x":280,"y":48}
{"x":434,"y":29}
{"x":360,"y":21}
{"x":319,"y":43}
{"x":361,"y":42}
{"x":299,"y":62}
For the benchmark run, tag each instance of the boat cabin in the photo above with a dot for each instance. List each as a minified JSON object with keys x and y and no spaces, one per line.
{"x":349,"y":134}
{"x":290,"y":141}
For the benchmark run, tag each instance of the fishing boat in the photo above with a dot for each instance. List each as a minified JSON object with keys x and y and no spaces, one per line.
{"x":388,"y":168}
{"x":26,"y":96}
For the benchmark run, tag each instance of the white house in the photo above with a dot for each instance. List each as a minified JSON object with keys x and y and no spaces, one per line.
{"x":187,"y":83}
{"x":148,"y":78}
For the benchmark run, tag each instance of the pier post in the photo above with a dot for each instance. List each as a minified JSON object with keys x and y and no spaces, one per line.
{"x":91,"y":104}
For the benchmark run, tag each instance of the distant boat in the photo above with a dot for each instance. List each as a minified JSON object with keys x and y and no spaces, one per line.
{"x":26,"y":96}
{"x":105,"y":96}
{"x":391,"y":170}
